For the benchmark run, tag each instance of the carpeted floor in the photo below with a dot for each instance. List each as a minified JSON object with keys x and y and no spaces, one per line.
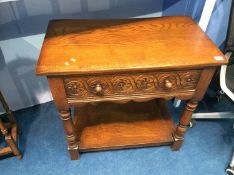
{"x":206,"y":151}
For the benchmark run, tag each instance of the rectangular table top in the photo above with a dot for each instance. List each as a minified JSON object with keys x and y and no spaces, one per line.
{"x":90,"y":46}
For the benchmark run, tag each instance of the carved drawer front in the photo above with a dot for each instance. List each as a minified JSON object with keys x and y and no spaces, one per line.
{"x":139,"y":84}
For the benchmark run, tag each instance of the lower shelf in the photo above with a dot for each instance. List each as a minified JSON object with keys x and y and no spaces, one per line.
{"x":114,"y":126}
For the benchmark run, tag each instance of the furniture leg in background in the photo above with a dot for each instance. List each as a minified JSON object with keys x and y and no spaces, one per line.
{"x":230,"y":169}
{"x":10,"y":141}
{"x":9,"y":132}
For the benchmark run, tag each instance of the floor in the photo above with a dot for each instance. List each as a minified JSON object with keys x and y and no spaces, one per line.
{"x":206,"y":151}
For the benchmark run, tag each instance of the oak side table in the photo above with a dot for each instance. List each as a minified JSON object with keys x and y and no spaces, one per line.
{"x":117,"y":75}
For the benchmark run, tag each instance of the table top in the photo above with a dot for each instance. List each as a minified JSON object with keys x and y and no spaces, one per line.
{"x":93,"y":46}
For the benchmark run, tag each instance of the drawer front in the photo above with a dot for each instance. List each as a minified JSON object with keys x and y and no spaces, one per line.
{"x":127,"y":85}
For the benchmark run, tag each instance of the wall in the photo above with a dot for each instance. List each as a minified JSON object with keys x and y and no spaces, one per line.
{"x":217,"y":28}
{"x":21,"y":39}
{"x":23,"y":24}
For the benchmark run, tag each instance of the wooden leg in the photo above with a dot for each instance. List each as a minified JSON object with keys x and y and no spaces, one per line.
{"x":10,"y":141}
{"x":183,"y":125}
{"x":60,"y":99}
{"x":13,"y":146}
{"x":71,"y":137}
{"x":7,"y":109}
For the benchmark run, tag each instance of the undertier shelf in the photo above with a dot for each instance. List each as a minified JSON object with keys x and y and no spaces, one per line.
{"x":106,"y":126}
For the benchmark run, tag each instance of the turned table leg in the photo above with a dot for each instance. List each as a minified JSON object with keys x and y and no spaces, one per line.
{"x":70,"y":134}
{"x":183,"y":124}
{"x":190,"y":106}
{"x":60,"y":100}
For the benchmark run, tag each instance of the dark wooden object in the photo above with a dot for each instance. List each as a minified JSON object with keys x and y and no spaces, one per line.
{"x":9,"y":132}
{"x":132,"y":61}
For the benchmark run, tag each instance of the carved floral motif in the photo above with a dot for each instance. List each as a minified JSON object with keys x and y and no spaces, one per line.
{"x":131,"y":84}
{"x":122,"y":84}
{"x":188,"y":79}
{"x":75,"y":88}
{"x":145,"y":83}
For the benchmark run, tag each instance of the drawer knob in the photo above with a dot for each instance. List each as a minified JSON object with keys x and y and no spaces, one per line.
{"x":98,"y":88}
{"x":168,"y":84}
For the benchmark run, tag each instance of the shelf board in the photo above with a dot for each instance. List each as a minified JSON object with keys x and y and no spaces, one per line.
{"x":107,"y":126}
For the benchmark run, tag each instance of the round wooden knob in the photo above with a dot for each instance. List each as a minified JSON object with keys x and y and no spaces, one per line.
{"x":189,"y":79}
{"x":168,"y":84}
{"x":98,"y":88}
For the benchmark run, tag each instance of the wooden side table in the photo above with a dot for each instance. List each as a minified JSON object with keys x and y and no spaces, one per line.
{"x":93,"y":65}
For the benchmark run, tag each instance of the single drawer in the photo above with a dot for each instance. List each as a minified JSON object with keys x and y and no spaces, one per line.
{"x":101,"y":87}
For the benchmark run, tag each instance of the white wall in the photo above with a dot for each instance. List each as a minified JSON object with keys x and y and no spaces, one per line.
{"x":23,"y":24}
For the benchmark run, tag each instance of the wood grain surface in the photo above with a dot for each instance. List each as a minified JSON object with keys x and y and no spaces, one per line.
{"x":115,"y":126}
{"x":91,"y":46}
